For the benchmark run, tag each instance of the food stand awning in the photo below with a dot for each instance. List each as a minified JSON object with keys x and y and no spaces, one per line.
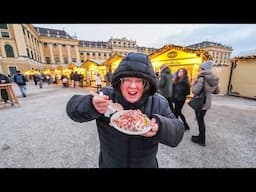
{"x":87,"y":63}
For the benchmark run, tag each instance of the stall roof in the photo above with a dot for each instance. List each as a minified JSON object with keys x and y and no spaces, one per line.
{"x":87,"y":63}
{"x":166,"y":48}
{"x":113,"y":58}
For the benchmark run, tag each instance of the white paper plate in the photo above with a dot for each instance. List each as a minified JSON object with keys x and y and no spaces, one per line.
{"x":117,"y":114}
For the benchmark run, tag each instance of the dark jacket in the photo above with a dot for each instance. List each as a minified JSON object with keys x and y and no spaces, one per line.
{"x":4,"y":79}
{"x":118,"y":150}
{"x":23,"y":77}
{"x":181,"y":89}
{"x":165,"y":83}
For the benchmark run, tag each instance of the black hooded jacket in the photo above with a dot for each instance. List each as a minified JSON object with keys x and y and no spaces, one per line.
{"x":118,"y":150}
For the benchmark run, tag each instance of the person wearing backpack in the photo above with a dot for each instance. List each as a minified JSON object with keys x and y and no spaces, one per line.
{"x":20,"y":80}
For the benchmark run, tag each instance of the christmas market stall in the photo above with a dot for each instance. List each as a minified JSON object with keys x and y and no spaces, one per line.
{"x":177,"y":56}
{"x":113,"y":62}
{"x":91,"y":69}
{"x":242,"y":77}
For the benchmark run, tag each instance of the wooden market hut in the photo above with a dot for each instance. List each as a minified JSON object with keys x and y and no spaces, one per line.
{"x":242,"y":80}
{"x":112,"y":63}
{"x":91,"y":69}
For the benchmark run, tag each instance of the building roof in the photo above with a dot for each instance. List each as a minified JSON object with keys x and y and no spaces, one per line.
{"x":53,"y":33}
{"x":247,"y":53}
{"x":96,"y":44}
{"x":205,"y":44}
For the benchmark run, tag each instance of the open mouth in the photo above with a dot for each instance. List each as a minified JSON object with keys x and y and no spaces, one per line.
{"x":132,"y":93}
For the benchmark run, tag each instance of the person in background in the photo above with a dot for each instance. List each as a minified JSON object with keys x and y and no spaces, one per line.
{"x":165,"y":84}
{"x":98,"y":81}
{"x":134,"y":86}
{"x":20,"y":80}
{"x":40,"y":80}
{"x":4,"y":94}
{"x":181,"y":88}
{"x":108,"y":78}
{"x":210,"y":82}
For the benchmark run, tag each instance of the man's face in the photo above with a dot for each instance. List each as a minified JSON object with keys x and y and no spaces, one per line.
{"x":132,"y":88}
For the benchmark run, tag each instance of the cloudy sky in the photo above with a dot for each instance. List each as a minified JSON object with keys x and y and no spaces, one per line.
{"x":242,"y":37}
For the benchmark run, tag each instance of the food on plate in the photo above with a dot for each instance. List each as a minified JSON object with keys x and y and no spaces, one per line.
{"x":131,"y":120}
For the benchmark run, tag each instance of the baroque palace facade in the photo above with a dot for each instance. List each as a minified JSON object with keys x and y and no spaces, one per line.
{"x":25,"y":47}
{"x":220,"y":53}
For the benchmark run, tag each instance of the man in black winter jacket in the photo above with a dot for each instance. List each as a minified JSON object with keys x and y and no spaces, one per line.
{"x":134,"y":87}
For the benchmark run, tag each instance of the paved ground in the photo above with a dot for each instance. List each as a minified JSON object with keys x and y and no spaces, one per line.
{"x":38,"y":134}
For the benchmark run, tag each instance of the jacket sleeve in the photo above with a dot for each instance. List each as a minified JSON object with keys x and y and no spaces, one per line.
{"x":80,"y":109}
{"x":171,"y":129}
{"x":217,"y":90}
{"x":162,"y":81}
{"x":197,"y":86}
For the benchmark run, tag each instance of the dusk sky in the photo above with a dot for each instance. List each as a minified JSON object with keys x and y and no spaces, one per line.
{"x":241,"y":37}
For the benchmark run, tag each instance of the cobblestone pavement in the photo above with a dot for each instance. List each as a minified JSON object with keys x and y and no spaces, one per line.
{"x":38,"y":134}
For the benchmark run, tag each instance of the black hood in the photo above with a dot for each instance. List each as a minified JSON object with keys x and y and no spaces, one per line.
{"x":135,"y":65}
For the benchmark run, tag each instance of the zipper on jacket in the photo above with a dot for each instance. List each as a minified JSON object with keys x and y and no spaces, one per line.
{"x":129,"y":152}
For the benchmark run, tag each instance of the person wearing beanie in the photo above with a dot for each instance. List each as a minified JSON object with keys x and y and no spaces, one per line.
{"x":134,"y":86}
{"x":209,"y":82}
{"x":166,"y":84}
{"x":206,"y":65}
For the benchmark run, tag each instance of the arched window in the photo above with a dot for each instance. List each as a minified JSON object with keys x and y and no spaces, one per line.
{"x":9,"y":51}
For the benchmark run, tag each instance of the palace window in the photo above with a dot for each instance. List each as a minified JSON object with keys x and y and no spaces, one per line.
{"x":48,"y":60}
{"x":32,"y":54}
{"x":65,"y":59}
{"x":3,"y":26}
{"x":57,"y":59}
{"x":23,"y":31}
{"x":28,"y":53}
{"x":9,"y":51}
{"x":5,"y":34}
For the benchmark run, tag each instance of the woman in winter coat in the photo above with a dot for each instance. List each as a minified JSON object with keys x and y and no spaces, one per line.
{"x":181,"y":88}
{"x":210,"y":82}
{"x":134,"y":87}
